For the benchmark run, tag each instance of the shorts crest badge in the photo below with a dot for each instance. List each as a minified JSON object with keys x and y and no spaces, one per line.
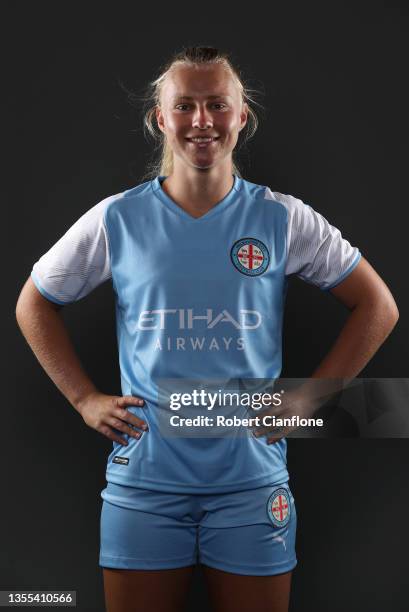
{"x":279,"y":507}
{"x":250,"y":256}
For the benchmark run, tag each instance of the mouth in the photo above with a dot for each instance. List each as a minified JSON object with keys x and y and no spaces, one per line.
{"x":202,"y":142}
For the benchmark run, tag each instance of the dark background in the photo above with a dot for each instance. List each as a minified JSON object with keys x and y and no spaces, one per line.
{"x":334,"y":133}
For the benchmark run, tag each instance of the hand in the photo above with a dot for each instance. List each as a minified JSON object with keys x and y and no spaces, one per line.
{"x":104,"y":412}
{"x":293,"y":403}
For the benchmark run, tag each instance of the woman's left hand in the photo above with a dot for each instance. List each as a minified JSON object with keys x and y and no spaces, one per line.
{"x":294,"y":403}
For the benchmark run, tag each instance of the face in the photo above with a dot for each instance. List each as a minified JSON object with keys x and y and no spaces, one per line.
{"x":201,"y":102}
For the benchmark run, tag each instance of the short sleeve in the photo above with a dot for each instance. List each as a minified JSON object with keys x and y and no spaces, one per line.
{"x":79,"y":261}
{"x":316,"y":250}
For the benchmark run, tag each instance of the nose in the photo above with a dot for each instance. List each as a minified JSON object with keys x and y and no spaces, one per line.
{"x":202,"y":119}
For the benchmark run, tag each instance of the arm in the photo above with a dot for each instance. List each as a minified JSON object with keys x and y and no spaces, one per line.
{"x":43,"y":327}
{"x":318,"y":253}
{"x":76,"y":264}
{"x":373,"y":315}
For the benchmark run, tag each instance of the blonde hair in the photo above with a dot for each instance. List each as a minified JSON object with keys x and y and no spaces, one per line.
{"x":162,"y":162}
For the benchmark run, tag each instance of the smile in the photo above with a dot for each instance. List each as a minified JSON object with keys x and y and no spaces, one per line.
{"x":201,"y":141}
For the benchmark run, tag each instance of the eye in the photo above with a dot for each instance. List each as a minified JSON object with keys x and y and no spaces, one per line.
{"x":182,"y":107}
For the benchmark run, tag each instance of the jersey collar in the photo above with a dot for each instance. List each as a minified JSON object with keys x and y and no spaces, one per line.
{"x":215,"y":210}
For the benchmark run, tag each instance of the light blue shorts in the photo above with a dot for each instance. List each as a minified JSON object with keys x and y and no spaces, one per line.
{"x":248,"y":532}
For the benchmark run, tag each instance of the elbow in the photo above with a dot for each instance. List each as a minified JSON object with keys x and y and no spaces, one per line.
{"x":22,"y":302}
{"x":390,"y":310}
{"x":19,"y":310}
{"x":383,"y":310}
{"x":21,"y":314}
{"x":393,"y":314}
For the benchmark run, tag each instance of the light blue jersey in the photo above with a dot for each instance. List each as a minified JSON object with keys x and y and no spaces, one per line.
{"x":196,"y":298}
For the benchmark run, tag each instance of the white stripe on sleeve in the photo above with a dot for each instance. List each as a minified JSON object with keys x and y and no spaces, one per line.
{"x":79,"y":261}
{"x":316,"y":250}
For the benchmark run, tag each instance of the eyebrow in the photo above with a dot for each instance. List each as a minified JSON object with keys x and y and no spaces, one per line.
{"x":181,"y":97}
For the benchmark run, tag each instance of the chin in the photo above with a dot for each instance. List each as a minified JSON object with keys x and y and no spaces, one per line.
{"x":204,"y":165}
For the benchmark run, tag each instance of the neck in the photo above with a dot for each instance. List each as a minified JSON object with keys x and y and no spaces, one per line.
{"x":197,"y":191}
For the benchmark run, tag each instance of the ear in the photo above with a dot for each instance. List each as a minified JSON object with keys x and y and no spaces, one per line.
{"x":243,"y":115}
{"x":160,"y":119}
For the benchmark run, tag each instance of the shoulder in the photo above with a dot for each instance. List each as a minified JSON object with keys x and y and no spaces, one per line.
{"x":108,"y":205}
{"x":293,"y":210}
{"x":93,"y":218}
{"x":99,"y":209}
{"x":263,"y":192}
{"x":126,"y":200}
{"x":283,"y":204}
{"x":301,"y":217}
{"x":291,"y":203}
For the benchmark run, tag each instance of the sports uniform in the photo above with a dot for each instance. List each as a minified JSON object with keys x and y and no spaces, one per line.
{"x":198,"y":298}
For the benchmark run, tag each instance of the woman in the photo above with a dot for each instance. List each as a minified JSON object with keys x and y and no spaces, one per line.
{"x":199,"y":260}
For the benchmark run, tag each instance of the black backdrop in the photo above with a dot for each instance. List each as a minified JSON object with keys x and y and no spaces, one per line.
{"x":334,"y":133}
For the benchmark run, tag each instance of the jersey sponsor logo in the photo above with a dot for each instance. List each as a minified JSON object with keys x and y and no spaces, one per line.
{"x":279,"y":507}
{"x":196,"y":343}
{"x":121,"y":460}
{"x":250,"y":256}
{"x":184,"y":318}
{"x":174,"y":320}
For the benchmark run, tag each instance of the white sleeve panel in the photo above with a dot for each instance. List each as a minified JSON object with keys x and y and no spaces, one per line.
{"x":316,"y":250}
{"x":79,"y":261}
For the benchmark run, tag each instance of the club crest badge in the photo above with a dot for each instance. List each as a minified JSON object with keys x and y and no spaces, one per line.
{"x":250,"y":256}
{"x":279,"y":507}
